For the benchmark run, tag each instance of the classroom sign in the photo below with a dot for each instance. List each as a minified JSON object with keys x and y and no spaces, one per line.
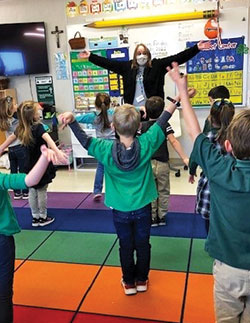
{"x":220,"y":65}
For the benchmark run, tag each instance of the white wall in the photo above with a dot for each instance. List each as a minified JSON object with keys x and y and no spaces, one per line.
{"x":52,"y":12}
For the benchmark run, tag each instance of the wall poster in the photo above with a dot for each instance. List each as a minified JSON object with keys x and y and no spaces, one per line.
{"x":90,"y":79}
{"x":217,"y":66}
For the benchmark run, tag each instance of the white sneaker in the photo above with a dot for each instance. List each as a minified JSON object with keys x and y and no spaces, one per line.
{"x":141,"y":286}
{"x":129,"y":289}
{"x":97,"y":197}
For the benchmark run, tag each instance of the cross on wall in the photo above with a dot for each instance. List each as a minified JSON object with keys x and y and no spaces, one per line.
{"x":57,"y":32}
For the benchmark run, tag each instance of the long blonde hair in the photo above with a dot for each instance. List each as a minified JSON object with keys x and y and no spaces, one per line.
{"x":26,"y":116}
{"x":6,"y":112}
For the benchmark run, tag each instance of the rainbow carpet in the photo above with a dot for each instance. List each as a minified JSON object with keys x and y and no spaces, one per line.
{"x":70,"y":272}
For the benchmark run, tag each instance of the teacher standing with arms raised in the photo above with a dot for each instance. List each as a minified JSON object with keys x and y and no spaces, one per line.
{"x":143,"y":77}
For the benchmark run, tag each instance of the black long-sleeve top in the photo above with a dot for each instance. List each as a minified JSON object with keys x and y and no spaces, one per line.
{"x":153,"y":78}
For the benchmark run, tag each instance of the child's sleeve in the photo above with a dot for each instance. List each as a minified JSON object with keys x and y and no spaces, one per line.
{"x":12,"y":181}
{"x":80,"y":134}
{"x":192,"y":166}
{"x":207,"y":156}
{"x":86,"y":117}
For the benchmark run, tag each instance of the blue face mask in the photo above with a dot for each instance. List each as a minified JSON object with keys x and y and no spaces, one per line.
{"x":141,"y":59}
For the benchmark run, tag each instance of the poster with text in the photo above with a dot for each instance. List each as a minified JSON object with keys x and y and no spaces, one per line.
{"x":220,"y":65}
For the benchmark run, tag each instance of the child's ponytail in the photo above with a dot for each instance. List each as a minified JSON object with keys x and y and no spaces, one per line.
{"x":222,"y":113}
{"x":102,"y":102}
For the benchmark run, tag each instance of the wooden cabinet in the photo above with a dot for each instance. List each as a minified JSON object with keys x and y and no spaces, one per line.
{"x":3,"y":94}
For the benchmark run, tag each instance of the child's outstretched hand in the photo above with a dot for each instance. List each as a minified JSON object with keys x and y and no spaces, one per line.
{"x":62,"y":157}
{"x":179,"y":79}
{"x":49,"y":154}
{"x":66,"y":118}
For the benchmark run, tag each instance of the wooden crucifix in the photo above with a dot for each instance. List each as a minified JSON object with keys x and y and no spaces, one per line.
{"x":57,"y":32}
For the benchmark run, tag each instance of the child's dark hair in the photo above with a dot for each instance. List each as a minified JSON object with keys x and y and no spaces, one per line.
{"x":219,"y":92}
{"x":102,"y":102}
{"x":221,"y":114}
{"x":154,"y":107}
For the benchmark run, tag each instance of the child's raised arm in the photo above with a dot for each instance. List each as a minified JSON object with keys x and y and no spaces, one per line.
{"x":36,"y":173}
{"x":192,"y":124}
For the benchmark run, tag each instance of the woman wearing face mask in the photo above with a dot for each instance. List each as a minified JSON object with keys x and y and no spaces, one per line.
{"x":143,"y":77}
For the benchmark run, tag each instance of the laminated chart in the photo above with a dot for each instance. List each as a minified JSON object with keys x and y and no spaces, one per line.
{"x":217,"y":66}
{"x":88,"y":80}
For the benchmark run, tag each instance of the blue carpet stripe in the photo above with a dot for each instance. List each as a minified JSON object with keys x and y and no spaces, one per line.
{"x":186,"y":225}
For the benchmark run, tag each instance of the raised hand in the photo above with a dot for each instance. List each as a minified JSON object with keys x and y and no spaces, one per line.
{"x":179,"y":79}
{"x":84,"y":54}
{"x":202,"y":45}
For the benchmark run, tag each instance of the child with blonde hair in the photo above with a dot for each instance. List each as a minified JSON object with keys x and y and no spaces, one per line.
{"x":32,"y":135}
{"x":17,"y":152}
{"x":130,"y":186}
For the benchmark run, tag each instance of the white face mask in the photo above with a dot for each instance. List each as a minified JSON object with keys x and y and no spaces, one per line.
{"x":141,"y":59}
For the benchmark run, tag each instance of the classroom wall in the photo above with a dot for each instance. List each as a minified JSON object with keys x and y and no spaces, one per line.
{"x":52,"y":12}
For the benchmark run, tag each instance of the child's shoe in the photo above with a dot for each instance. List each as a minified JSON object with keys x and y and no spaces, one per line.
{"x":97,"y":197}
{"x":25,"y":196}
{"x":141,"y":286}
{"x":154,"y":222}
{"x":129,"y":289}
{"x":46,"y":221}
{"x":162,"y":221}
{"x":35,"y":222}
{"x":18,"y":196}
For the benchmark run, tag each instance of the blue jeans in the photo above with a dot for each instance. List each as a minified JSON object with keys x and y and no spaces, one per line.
{"x":133,"y":230}
{"x":99,"y":178}
{"x":7,"y":262}
{"x":18,"y":160}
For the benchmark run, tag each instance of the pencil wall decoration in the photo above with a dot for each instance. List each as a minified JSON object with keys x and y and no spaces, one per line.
{"x":153,"y":19}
